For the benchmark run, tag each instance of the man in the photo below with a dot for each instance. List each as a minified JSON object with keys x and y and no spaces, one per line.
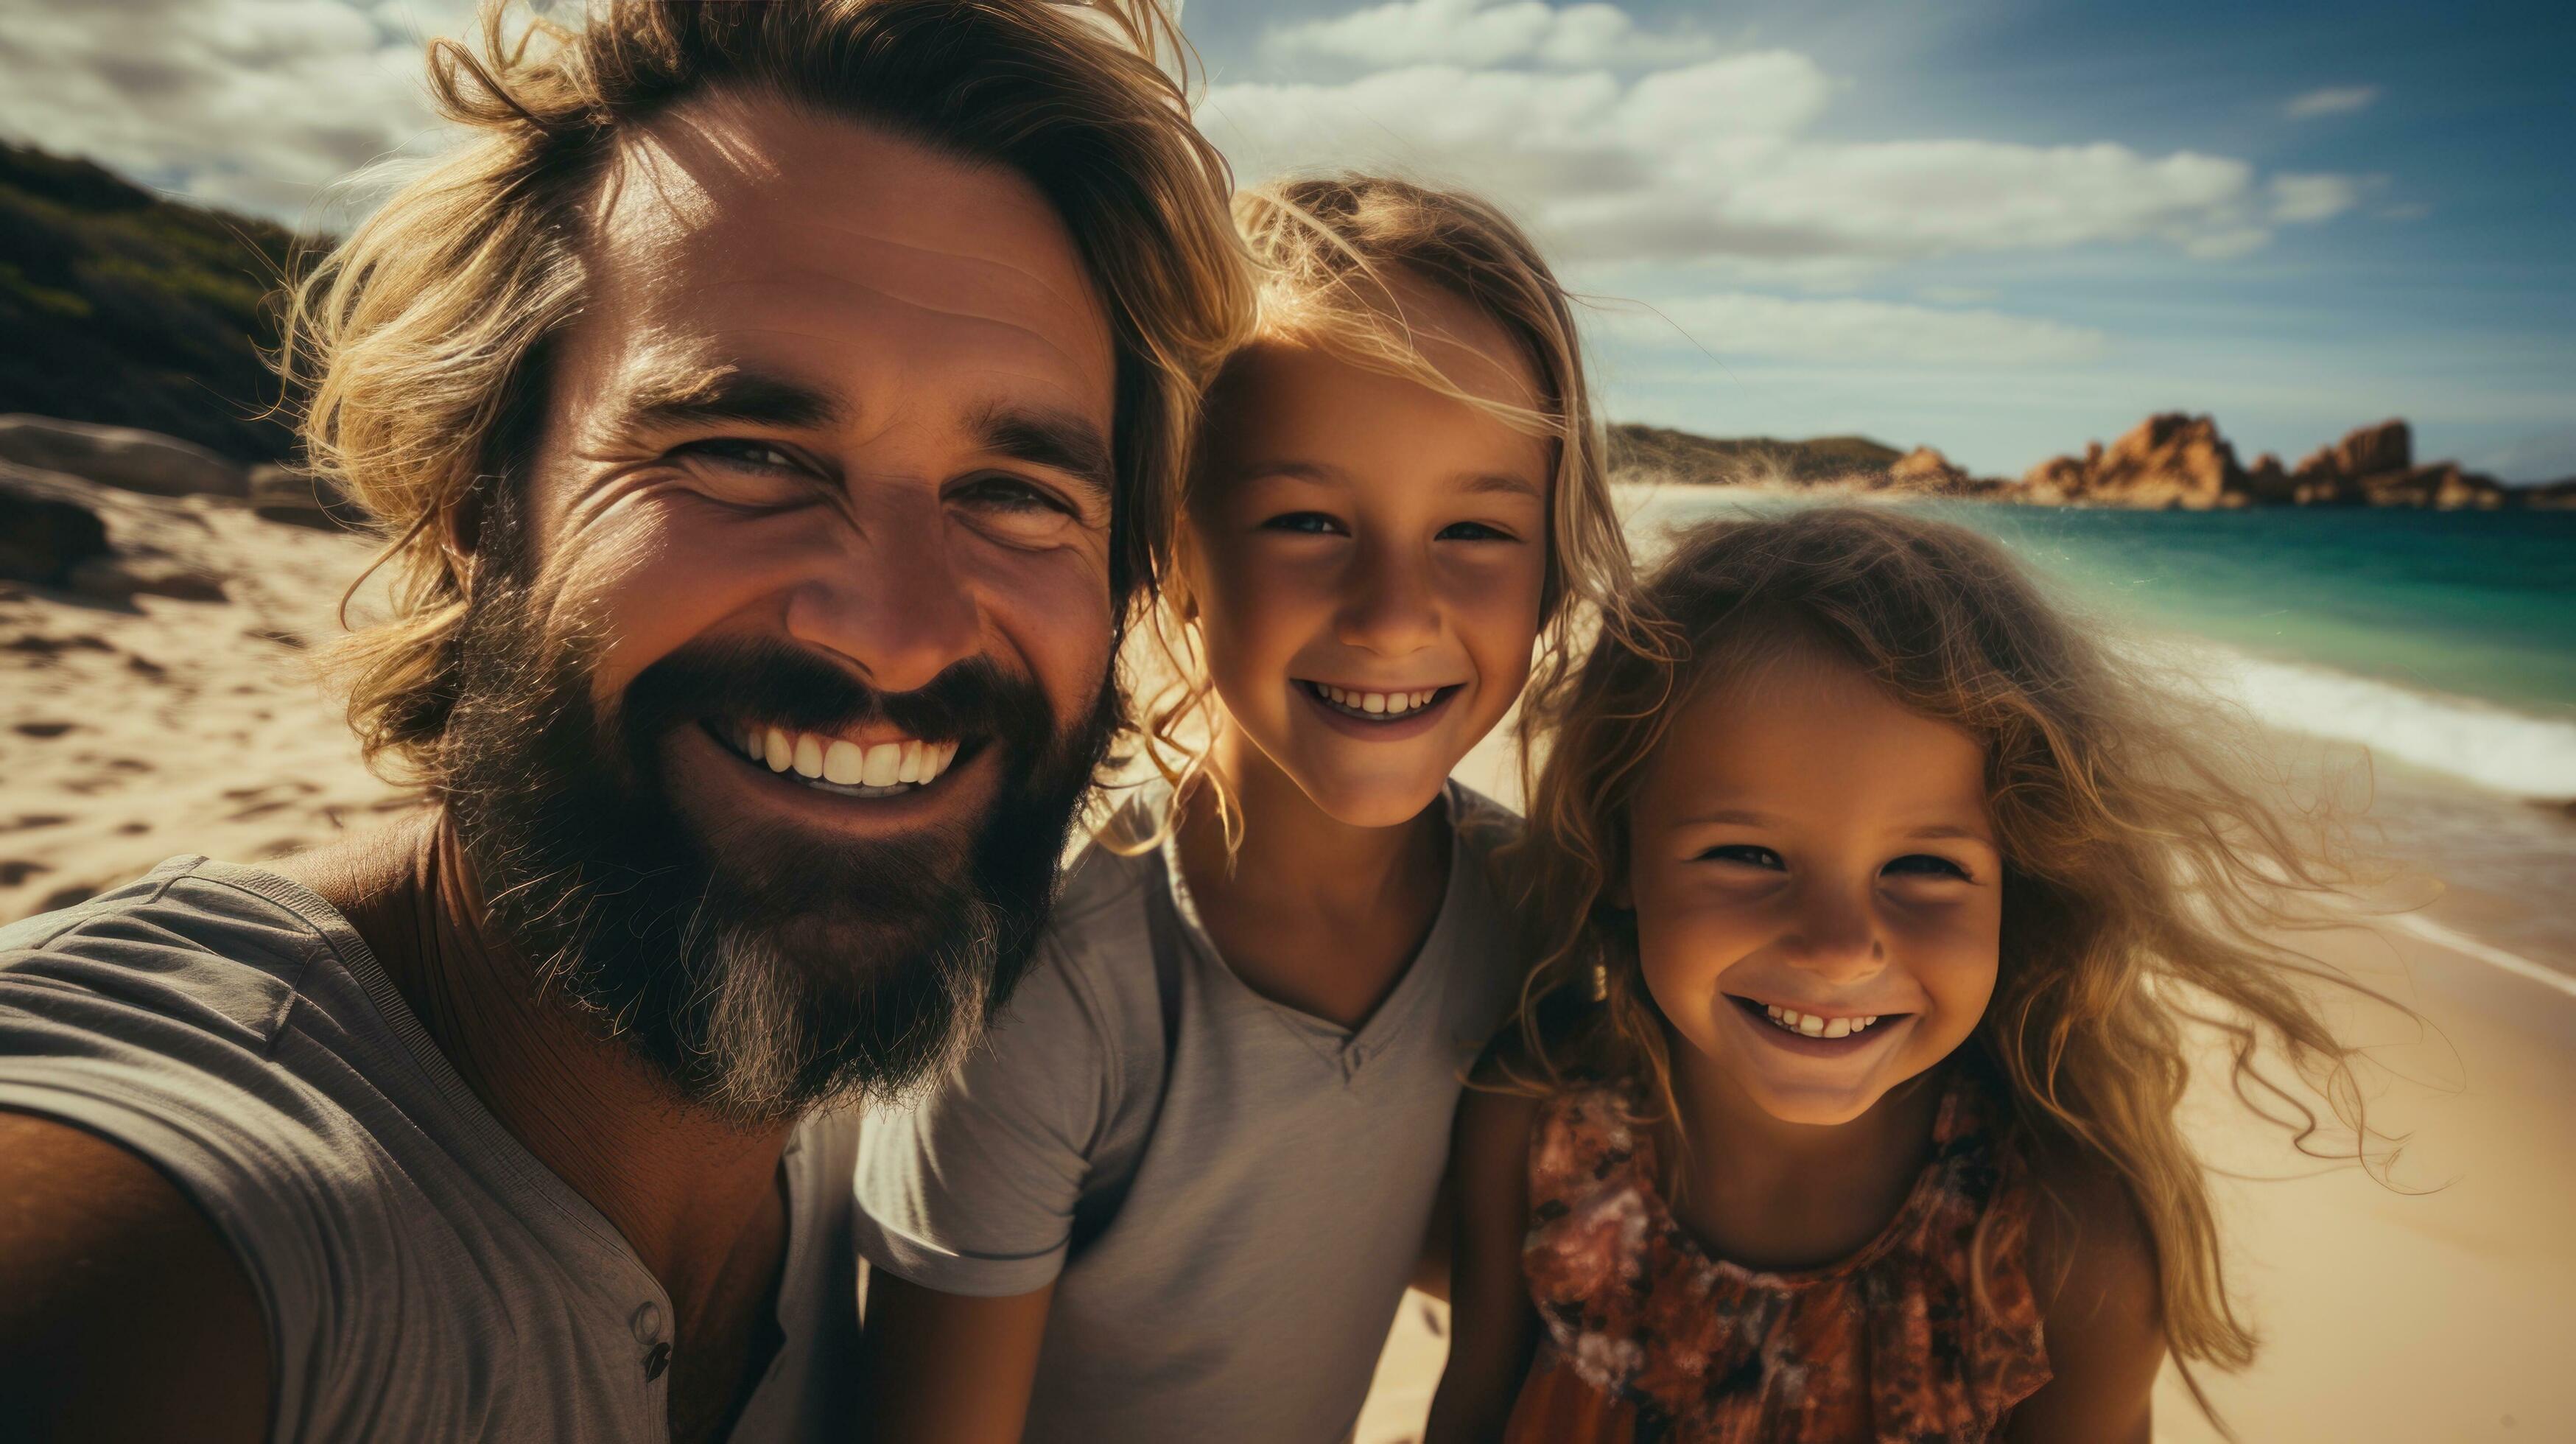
{"x":774,"y":408}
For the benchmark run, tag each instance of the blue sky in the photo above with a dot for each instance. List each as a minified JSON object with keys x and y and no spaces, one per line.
{"x":1995,"y":226}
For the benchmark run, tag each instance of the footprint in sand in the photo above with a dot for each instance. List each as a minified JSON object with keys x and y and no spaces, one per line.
{"x":41,"y":729}
{"x":14,"y":871}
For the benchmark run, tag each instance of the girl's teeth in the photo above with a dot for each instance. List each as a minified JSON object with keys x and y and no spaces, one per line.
{"x":1813,"y":1025}
{"x":1377,"y":703}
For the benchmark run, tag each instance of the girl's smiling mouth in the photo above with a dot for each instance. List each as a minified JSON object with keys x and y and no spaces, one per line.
{"x":1377,"y":705}
{"x":1820,"y":1033}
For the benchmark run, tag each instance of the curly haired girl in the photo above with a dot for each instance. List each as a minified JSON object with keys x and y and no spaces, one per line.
{"x":1842,"y":1104}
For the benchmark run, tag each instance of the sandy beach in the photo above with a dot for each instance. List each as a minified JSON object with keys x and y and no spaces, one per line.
{"x":2434,"y":1309}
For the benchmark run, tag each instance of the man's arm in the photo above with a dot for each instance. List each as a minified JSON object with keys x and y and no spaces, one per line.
{"x":1492,"y":1325}
{"x":123,"y":1314}
{"x":949,"y":1369}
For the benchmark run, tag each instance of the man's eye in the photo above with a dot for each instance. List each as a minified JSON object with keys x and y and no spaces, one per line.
{"x":1924,"y":864}
{"x":738,"y":451}
{"x":1307,"y":523}
{"x":1010,"y":494}
{"x":1744,"y":855}
{"x":1476,"y":531}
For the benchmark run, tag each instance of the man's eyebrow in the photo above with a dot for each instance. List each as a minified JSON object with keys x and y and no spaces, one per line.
{"x":1059,"y":440}
{"x":701,"y":396}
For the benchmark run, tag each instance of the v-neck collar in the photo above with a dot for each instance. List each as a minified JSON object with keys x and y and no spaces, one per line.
{"x":1345,"y":1048}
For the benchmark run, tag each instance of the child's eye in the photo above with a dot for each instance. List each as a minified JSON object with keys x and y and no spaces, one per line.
{"x":1745,"y":855}
{"x":1924,"y":864}
{"x":1309,"y":523}
{"x":1474,"y":531}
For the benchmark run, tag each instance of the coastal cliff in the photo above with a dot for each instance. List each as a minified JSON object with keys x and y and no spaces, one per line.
{"x":2169,"y":462}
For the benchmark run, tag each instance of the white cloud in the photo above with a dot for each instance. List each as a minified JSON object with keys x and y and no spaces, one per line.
{"x":2332,"y":100}
{"x":1847,"y":329}
{"x":252,"y":104}
{"x":2313,"y":197}
{"x":1716,"y":160}
{"x":1483,"y":33}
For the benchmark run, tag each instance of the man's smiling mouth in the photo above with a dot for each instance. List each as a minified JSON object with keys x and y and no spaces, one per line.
{"x":884,"y":767}
{"x":1376,"y":706}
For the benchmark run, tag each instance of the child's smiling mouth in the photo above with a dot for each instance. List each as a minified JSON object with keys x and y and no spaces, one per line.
{"x":1379,"y":705}
{"x":1837,"y":1032}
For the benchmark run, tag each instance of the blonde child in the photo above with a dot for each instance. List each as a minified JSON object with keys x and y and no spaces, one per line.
{"x":1181,"y":1194}
{"x":1842,"y":1106}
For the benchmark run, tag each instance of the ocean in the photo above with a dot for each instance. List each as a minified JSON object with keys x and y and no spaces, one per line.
{"x":2441,"y":643}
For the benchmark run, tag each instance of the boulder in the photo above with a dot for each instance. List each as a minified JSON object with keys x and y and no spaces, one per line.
{"x":2373,"y":450}
{"x":121,"y":456}
{"x":299,"y":498}
{"x":2167,"y":461}
{"x":46,"y":532}
{"x":1924,"y":469}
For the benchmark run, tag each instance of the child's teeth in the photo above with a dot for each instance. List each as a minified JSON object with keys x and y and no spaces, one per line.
{"x":844,"y":762}
{"x":1838,"y":1028}
{"x":1372,"y":701}
{"x":1811,"y":1025}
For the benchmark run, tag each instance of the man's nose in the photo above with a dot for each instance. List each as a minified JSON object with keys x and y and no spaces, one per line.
{"x":1835,"y":936}
{"x":1390,"y":606}
{"x":890,"y":598}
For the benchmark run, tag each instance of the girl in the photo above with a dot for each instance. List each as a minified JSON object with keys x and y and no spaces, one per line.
{"x":1842,"y":1105}
{"x":1180,"y":1195}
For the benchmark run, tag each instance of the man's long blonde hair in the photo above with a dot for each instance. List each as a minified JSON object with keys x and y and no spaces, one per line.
{"x":421,"y":342}
{"x":1332,"y":252}
{"x":2147,"y":865}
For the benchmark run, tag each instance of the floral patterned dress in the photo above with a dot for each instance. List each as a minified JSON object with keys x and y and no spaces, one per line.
{"x":1650,"y":1339}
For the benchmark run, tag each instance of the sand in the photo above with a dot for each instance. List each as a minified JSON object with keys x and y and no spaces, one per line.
{"x":130,"y":732}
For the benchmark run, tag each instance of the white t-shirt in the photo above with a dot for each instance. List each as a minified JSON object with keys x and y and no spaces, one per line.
{"x":1228,"y":1194}
{"x":422,"y":1274}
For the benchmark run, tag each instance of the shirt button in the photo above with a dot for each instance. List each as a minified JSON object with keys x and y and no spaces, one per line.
{"x":656,"y":1361}
{"x":647,"y":1322}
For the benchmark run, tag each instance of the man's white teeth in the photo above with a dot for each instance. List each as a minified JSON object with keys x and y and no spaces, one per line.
{"x":1398,"y":703}
{"x":847,"y":764}
{"x":1813,"y":1026}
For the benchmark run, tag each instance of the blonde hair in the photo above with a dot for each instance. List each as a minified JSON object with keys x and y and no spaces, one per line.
{"x":1331,"y":252}
{"x":2143,"y":860}
{"x":421,"y":341}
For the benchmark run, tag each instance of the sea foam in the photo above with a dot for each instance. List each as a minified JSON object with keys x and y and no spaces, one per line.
{"x":2505,"y":751}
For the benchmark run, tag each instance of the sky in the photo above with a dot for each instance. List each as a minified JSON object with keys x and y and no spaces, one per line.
{"x":1998,"y":227}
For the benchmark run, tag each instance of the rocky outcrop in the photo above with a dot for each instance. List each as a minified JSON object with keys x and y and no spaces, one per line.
{"x":2171,"y":461}
{"x":45,"y":530}
{"x":143,"y":461}
{"x":298,"y":498}
{"x":74,"y":535}
{"x":2178,"y":461}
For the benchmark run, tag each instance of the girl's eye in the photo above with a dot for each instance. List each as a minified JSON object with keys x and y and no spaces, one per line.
{"x":1745,"y":855}
{"x":1474,"y":531}
{"x":1924,"y":864}
{"x":1308,"y":523}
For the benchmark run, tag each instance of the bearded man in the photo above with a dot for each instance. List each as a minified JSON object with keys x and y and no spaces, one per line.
{"x":772,"y":410}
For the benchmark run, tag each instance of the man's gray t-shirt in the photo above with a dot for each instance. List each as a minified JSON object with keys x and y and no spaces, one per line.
{"x":1229,"y":1220}
{"x":422,"y":1274}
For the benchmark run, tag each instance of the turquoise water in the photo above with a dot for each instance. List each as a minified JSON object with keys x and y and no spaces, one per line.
{"x":2470,"y":604}
{"x":2442,"y":643}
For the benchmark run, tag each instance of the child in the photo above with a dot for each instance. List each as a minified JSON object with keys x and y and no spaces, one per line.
{"x":1181,"y":1193}
{"x":1843,"y":1106}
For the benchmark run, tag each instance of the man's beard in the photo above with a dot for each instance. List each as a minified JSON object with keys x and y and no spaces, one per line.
{"x":763,"y":968}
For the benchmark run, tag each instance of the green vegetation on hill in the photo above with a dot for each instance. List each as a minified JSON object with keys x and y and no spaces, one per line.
{"x":119,"y":307}
{"x":1657,"y":451}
